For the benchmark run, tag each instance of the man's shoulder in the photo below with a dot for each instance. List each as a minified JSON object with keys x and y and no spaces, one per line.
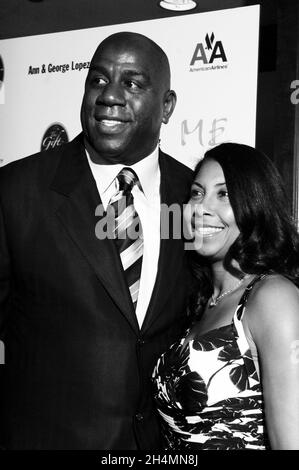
{"x":34,"y":166}
{"x":176,"y":168}
{"x":177,"y":178}
{"x":30,"y":161}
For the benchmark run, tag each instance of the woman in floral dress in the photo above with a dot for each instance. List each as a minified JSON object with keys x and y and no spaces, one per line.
{"x":232,"y":381}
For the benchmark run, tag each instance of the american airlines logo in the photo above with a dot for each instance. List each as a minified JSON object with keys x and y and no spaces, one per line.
{"x":208,"y":55}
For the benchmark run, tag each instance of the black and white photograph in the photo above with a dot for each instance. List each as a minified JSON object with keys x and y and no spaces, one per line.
{"x":149,"y":244}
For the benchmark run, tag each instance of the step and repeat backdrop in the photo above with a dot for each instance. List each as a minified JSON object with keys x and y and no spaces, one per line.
{"x":213,"y":58}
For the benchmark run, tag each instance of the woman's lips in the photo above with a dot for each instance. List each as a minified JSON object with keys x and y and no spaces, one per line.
{"x":208,"y":231}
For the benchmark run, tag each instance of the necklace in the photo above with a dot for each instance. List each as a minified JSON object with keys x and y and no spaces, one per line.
{"x":214,"y":301}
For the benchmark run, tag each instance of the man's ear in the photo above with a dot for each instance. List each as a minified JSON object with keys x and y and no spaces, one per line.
{"x":169,"y":105}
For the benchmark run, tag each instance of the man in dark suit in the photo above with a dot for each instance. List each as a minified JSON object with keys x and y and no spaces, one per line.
{"x":81,"y":343}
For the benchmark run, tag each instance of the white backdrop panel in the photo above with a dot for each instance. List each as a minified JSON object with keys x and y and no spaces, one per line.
{"x":216,"y":94}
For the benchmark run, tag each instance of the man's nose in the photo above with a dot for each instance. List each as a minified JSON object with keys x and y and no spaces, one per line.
{"x":111,"y":95}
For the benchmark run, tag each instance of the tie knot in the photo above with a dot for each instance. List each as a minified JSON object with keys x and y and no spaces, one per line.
{"x":127,"y":178}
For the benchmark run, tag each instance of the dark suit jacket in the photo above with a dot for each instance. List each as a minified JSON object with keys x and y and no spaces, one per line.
{"x":77,"y":373}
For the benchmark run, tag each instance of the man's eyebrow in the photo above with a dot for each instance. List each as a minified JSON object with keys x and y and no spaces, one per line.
{"x":136,"y":72}
{"x":97,"y":68}
{"x":127,"y":72}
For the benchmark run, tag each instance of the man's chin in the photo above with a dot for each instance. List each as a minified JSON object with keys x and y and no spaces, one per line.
{"x":109,"y":152}
{"x":106,"y":158}
{"x":105,"y":155}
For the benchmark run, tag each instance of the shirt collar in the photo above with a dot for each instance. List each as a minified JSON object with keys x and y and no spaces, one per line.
{"x":146,"y":169}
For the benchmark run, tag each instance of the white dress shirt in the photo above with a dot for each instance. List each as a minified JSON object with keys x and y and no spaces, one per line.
{"x":147,"y":205}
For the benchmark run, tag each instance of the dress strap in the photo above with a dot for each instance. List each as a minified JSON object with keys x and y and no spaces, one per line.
{"x":243,"y":300}
{"x":241,"y":338}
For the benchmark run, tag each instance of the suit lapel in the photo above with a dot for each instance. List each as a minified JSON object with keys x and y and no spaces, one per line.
{"x":171,"y":250}
{"x":74,"y":181}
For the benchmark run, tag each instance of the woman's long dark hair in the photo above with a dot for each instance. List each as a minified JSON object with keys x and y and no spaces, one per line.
{"x":268,"y":240}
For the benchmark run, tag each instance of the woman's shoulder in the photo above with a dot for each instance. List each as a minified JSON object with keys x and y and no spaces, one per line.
{"x":272,"y":298}
{"x":269,"y":283}
{"x":274,"y":288}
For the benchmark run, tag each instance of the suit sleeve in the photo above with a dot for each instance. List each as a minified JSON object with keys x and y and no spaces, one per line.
{"x":5,"y":273}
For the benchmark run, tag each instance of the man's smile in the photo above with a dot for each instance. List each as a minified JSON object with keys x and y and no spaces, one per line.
{"x":111,"y":125}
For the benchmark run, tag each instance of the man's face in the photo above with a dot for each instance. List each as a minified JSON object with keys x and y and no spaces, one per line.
{"x":125,"y":102}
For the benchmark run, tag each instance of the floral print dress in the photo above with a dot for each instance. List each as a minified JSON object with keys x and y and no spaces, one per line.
{"x":208,"y":391}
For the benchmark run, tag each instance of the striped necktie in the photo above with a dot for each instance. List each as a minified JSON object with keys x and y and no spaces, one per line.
{"x":128,"y":230}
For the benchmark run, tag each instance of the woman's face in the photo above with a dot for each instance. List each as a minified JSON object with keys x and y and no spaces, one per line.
{"x":210,"y":216}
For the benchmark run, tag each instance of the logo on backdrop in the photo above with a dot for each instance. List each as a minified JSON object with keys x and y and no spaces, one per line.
{"x":208,"y":55}
{"x":54,"y":136}
{"x":1,"y":81}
